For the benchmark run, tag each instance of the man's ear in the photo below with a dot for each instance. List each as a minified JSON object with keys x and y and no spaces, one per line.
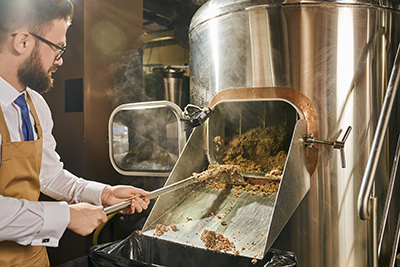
{"x":23,"y":42}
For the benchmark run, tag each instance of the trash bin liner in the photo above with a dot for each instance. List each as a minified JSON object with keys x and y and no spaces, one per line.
{"x":139,"y":250}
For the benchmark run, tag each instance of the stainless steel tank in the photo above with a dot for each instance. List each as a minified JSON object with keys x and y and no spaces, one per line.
{"x":339,"y":54}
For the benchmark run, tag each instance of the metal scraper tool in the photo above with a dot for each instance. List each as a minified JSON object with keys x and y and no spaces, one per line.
{"x":228,"y":173}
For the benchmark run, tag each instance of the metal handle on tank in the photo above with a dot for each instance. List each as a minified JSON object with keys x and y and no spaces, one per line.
{"x":379,"y":136}
{"x":336,"y":144}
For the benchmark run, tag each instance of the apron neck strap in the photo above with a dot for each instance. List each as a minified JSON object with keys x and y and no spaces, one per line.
{"x":34,"y":114}
{"x":5,"y":134}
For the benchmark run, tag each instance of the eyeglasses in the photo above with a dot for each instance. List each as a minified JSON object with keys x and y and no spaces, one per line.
{"x":62,"y":49}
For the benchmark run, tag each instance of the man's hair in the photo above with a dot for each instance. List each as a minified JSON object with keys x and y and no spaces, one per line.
{"x":35,"y":15}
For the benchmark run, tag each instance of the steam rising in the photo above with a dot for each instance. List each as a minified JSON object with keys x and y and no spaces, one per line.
{"x":128,"y":79}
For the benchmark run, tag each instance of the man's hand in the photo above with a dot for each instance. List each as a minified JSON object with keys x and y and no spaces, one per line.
{"x":115,"y":194}
{"x":84,"y":218}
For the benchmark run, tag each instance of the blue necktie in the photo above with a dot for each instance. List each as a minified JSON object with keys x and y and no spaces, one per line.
{"x":26,"y":122}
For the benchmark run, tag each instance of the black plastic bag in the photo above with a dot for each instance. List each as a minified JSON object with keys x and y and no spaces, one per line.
{"x":137,"y":250}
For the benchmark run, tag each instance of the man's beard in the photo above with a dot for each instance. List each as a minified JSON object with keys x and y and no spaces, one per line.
{"x":32,"y":73}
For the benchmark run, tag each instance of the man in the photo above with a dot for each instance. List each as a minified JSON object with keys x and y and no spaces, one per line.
{"x":32,"y":41}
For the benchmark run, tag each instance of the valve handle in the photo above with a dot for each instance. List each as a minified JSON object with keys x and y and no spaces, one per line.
{"x":342,"y":158}
{"x":336,"y":144}
{"x":346,"y":135}
{"x":342,"y":154}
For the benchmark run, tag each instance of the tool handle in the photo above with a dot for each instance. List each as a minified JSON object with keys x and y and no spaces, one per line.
{"x":155,"y":193}
{"x":117,"y":207}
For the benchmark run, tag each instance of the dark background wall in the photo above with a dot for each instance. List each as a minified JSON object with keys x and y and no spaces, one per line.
{"x":103,"y":68}
{"x":103,"y":31}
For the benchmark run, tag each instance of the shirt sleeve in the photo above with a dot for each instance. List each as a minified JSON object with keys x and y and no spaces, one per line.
{"x":66,"y":186}
{"x":44,"y":223}
{"x":32,"y":222}
{"x":55,"y":181}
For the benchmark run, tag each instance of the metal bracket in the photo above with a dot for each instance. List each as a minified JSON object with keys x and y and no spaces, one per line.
{"x":194,"y":116}
{"x":309,"y":141}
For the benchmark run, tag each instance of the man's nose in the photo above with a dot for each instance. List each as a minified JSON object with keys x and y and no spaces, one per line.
{"x":59,"y":62}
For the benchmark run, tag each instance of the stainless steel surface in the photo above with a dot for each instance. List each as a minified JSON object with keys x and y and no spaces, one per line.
{"x":173,"y":89}
{"x":192,"y":159}
{"x":395,"y":244}
{"x":238,"y":179}
{"x":335,"y":144}
{"x":373,"y":257}
{"x":117,"y":207}
{"x":336,"y":55}
{"x":145,"y":138}
{"x":253,"y":221}
{"x":173,"y":83}
{"x":218,"y":8}
{"x":379,"y":137}
{"x":389,"y":195}
{"x":244,"y":211}
{"x":295,"y":184}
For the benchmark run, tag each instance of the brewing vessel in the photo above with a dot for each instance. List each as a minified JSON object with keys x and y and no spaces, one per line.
{"x":339,"y":55}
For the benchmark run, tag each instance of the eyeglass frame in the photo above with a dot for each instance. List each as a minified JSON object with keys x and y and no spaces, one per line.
{"x":59,"y":54}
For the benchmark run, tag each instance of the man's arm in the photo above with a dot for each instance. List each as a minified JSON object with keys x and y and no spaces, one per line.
{"x":24,"y":221}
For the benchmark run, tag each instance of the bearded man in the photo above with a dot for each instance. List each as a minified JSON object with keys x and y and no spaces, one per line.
{"x":32,"y":42}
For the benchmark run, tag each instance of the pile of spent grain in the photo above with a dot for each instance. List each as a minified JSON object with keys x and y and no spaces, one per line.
{"x":213,"y":177}
{"x":161,"y":229}
{"x":215,"y":172}
{"x":264,"y":189}
{"x":258,"y":150}
{"x":217,"y":242}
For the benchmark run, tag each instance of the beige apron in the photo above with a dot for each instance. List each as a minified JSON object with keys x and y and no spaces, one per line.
{"x":19,"y":178}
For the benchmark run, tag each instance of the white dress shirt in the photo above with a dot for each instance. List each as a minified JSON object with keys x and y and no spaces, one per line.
{"x":35,"y":222}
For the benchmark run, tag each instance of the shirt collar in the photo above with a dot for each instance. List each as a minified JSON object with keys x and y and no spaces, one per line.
{"x":8,"y":93}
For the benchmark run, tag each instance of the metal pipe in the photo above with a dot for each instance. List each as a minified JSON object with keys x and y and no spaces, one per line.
{"x":393,"y":174}
{"x":156,"y":193}
{"x":379,"y":136}
{"x":373,"y":234}
{"x":395,"y":243}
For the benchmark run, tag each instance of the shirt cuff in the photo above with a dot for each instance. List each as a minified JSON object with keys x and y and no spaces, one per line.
{"x":56,"y":220}
{"x":92,"y":193}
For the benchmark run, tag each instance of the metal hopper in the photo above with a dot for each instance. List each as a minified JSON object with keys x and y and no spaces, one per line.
{"x":251,"y":221}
